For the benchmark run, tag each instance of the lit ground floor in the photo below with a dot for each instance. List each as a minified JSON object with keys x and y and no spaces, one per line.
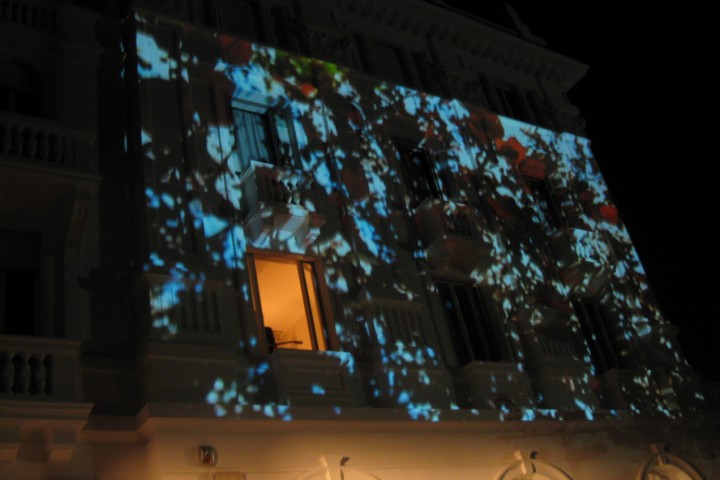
{"x":188,"y":442}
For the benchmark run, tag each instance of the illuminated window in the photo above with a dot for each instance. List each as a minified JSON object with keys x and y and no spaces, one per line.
{"x":417,"y":172}
{"x":19,"y":275}
{"x":471,"y":331}
{"x":599,"y":334}
{"x":290,"y":312}
{"x":263,"y":134}
{"x":547,"y":208}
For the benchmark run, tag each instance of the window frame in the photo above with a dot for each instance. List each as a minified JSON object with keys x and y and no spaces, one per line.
{"x":218,"y":15}
{"x":599,"y":334}
{"x":545,"y":201}
{"x":493,"y":345}
{"x":326,"y":320}
{"x":430,"y":176}
{"x":269,"y":116}
{"x":513,"y":102}
{"x":402,"y":61}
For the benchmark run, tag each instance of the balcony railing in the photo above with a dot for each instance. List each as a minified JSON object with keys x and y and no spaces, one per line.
{"x":32,"y":14}
{"x":273,"y":199}
{"x":26,"y":373}
{"x":585,"y":259}
{"x":43,"y":142}
{"x":38,"y":368}
{"x":451,"y":235}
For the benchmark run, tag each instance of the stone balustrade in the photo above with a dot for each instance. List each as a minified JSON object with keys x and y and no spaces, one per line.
{"x":34,"y":368}
{"x":32,"y":14}
{"x":43,"y":142}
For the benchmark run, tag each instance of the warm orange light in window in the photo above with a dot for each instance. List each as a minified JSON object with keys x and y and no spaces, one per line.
{"x":289,"y":303}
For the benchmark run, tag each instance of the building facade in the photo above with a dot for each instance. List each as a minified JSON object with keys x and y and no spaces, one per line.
{"x":297,"y":240}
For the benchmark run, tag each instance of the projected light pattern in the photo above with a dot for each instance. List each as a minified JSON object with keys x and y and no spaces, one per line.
{"x":341,"y":198}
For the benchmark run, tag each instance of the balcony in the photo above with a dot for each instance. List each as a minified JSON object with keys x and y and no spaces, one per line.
{"x":560,"y":378}
{"x":451,"y":236}
{"x":273,"y":202}
{"x":41,"y":406}
{"x":497,"y":385}
{"x":39,"y":369}
{"x":32,"y":14}
{"x":585,"y":259}
{"x":403,"y":368}
{"x":316,"y":378}
{"x":48,"y":174}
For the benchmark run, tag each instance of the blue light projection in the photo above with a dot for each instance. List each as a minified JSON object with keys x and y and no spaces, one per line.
{"x":343,"y":201}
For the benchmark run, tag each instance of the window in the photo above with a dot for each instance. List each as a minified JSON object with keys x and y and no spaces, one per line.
{"x":599,"y":334}
{"x":428,"y":81}
{"x":390,"y":63}
{"x":20,"y":90}
{"x":417,"y":173}
{"x":288,"y":298}
{"x":513,"y":103}
{"x":360,"y":53}
{"x":243,"y":18}
{"x":19,"y":275}
{"x":546,"y":207}
{"x":263,"y":134}
{"x":471,"y":332}
{"x":282,"y":27}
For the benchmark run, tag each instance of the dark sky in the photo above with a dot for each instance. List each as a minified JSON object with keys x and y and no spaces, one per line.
{"x":651,"y":109}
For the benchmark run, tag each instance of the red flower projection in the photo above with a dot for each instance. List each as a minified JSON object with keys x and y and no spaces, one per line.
{"x":609,"y":213}
{"x":237,"y":52}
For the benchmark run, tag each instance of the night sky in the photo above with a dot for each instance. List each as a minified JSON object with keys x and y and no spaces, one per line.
{"x":651,"y":114}
{"x":649,"y":106}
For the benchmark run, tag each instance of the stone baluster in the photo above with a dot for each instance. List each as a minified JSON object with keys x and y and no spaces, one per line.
{"x":30,"y":142}
{"x":16,"y":140}
{"x":57,"y":146}
{"x":43,"y":145}
{"x":22,"y":373}
{"x":8,"y":373}
{"x":38,"y":373}
{"x":5,"y":139}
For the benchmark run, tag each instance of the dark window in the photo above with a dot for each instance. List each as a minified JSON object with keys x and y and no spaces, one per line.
{"x":243,"y":18}
{"x":282,"y":30}
{"x":417,"y":173}
{"x":263,"y":135}
{"x":512,"y":103}
{"x":360,"y":53}
{"x":19,"y":275}
{"x":19,"y":90}
{"x":546,"y":206}
{"x":471,"y":332}
{"x":389,"y":63}
{"x":599,"y":335}
{"x":428,"y":82}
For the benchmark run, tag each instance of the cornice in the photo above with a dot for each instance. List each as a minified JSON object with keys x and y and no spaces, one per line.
{"x":482,"y":39}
